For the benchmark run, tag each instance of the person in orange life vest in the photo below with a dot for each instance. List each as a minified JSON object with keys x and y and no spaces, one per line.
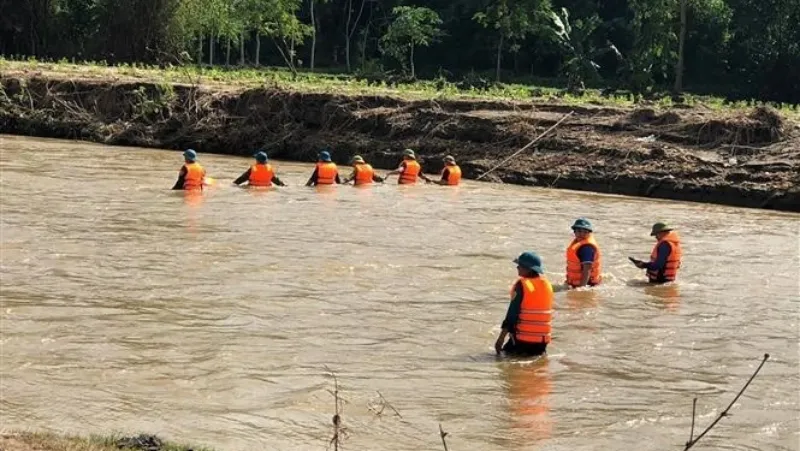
{"x":583,"y":256}
{"x":409,"y":170}
{"x":363,"y":174}
{"x":665,"y":260}
{"x":529,"y":316}
{"x":192,"y":175}
{"x":326,"y":172}
{"x":259,"y":174}
{"x":451,"y":174}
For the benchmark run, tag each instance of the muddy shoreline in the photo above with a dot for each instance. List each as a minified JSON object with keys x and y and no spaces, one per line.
{"x":746,"y":159}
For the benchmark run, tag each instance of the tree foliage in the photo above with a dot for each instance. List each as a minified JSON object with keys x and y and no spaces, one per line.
{"x":412,"y":27}
{"x":739,"y":48}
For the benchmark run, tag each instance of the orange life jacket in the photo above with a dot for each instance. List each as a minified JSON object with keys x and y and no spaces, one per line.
{"x":410,"y":172}
{"x":454,"y":176}
{"x":195,"y":175}
{"x":574,"y":266}
{"x":670,"y":270}
{"x":364,"y":174}
{"x":326,"y":173}
{"x":536,"y":312}
{"x":261,"y":174}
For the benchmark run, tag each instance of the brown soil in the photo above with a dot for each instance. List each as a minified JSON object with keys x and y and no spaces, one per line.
{"x":695,"y":154}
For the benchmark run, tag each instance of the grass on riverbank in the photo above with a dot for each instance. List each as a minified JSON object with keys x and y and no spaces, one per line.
{"x":40,"y":441}
{"x":346,"y":84}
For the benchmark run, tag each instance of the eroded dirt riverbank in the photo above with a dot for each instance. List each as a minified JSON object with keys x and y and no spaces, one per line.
{"x":749,"y":159}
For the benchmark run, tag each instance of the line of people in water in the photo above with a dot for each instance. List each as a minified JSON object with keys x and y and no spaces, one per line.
{"x":192,"y":176}
{"x":527,"y":327}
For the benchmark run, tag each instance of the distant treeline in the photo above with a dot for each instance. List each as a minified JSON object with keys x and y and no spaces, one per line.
{"x":737,"y":48}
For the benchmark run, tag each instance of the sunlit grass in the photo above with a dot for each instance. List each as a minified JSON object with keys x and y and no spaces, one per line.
{"x":345,"y":84}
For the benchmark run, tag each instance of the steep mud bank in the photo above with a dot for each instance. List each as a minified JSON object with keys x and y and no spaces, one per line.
{"x":750,"y":160}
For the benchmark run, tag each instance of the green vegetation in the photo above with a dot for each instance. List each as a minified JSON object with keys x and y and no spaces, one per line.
{"x":737,"y":49}
{"x":281,"y":78}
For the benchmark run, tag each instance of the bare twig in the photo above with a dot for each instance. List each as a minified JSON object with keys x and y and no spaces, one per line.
{"x":691,"y":443}
{"x":535,"y":140}
{"x":388,"y":404}
{"x":443,"y":434}
{"x":694,"y":409}
{"x":337,"y":418}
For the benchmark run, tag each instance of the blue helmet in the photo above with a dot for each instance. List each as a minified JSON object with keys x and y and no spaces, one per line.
{"x":190,"y":154}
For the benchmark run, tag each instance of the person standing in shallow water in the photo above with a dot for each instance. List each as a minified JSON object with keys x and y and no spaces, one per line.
{"x":529,"y":317}
{"x":583,"y":256}
{"x":409,"y":170}
{"x":665,"y":259}
{"x":192,"y":175}
{"x":451,"y":174}
{"x":363,"y":174}
{"x":325,"y":173}
{"x":259,"y":174}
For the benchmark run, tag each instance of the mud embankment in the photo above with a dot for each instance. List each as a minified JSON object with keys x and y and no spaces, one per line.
{"x":750,"y":160}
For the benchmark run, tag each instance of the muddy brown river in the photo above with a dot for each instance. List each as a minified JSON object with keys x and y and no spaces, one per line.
{"x":127,"y":307}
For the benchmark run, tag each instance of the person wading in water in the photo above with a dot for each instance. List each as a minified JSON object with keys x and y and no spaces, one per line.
{"x":529,"y":316}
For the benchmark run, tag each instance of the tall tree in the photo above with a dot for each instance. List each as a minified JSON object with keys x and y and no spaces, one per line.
{"x":678,"y":87}
{"x":413,"y":26}
{"x":512,"y":20}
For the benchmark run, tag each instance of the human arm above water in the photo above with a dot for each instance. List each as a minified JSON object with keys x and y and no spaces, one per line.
{"x":509,"y":325}
{"x":181,"y":179}
{"x":242,"y":178}
{"x":586,"y":255}
{"x":313,"y":179}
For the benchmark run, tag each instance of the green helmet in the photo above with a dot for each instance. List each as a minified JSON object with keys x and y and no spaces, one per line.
{"x":582,"y":223}
{"x":409,"y":153}
{"x":357,"y":159}
{"x":660,"y":227}
{"x":531,"y":261}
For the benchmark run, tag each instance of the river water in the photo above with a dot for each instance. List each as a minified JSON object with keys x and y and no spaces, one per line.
{"x":215,"y":319}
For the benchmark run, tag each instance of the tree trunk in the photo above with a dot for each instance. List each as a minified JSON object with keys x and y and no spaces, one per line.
{"x":228,"y":53}
{"x":678,"y":88}
{"x":349,"y":6}
{"x":211,"y":49}
{"x":258,"y":48}
{"x":313,"y":35}
{"x":499,"y":58}
{"x":241,"y":49}
{"x":200,"y":50}
{"x":286,"y":58}
{"x":349,"y":30}
{"x":413,"y":72}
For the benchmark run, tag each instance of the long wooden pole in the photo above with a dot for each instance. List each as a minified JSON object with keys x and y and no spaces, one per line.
{"x":528,"y":145}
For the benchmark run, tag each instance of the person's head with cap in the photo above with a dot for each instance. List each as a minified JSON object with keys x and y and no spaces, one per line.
{"x":529,"y":264}
{"x":660,"y":229}
{"x":261,"y":156}
{"x":449,"y":160}
{"x":325,"y":156}
{"x":357,"y":159}
{"x":409,"y":154}
{"x":190,"y":155}
{"x":582,"y":227}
